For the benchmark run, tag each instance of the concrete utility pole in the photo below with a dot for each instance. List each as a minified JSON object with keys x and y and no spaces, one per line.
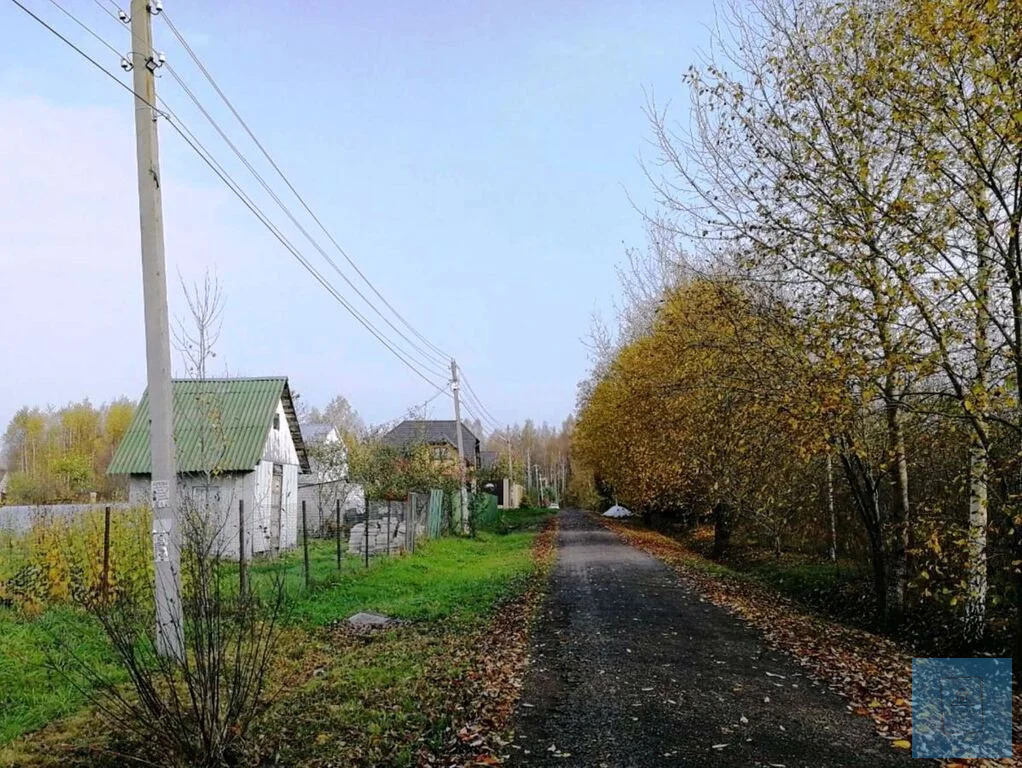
{"x":510,"y":461}
{"x":455,"y":387}
{"x":166,"y":533}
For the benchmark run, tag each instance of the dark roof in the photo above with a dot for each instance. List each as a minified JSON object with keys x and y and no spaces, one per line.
{"x":244,"y":409}
{"x":409,"y":432}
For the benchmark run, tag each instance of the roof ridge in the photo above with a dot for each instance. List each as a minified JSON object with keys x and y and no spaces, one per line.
{"x":234,"y":378}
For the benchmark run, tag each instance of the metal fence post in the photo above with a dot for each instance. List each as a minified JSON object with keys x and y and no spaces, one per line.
{"x":337,"y":533}
{"x":106,"y":550}
{"x":242,"y":573}
{"x":305,"y":543}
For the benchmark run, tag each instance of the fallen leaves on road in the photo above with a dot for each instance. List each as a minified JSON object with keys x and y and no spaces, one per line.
{"x":872,"y":672}
{"x":495,"y":662}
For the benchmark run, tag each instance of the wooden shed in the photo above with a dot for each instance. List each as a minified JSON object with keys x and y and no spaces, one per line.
{"x":236,"y":440}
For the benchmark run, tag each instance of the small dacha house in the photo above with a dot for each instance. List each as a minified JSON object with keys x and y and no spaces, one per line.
{"x":237,"y":441}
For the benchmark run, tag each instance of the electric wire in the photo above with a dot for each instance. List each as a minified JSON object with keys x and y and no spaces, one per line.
{"x":429,"y":366}
{"x":194,"y":144}
{"x":429,"y":359}
{"x":487,"y":416}
{"x":209,"y":77}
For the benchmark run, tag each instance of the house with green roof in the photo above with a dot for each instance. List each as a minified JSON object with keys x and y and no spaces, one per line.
{"x":239,"y":451}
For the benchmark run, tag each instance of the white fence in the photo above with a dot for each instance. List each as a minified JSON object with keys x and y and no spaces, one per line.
{"x":20,"y":519}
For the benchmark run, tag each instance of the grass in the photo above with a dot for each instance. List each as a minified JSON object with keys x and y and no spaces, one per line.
{"x":376,"y":696}
{"x":32,"y":692}
{"x":525,"y":519}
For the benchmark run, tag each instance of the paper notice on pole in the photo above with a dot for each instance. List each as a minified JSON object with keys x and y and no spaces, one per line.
{"x":161,"y":540}
{"x":161,"y":494}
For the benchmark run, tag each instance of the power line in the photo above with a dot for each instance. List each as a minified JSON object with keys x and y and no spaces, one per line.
{"x":87,"y":28}
{"x":195,"y":145}
{"x":474,"y":403}
{"x":430,"y":359}
{"x":428,"y":356}
{"x":287,"y":181}
{"x":479,"y":401}
{"x":411,"y":409}
{"x":115,"y":16}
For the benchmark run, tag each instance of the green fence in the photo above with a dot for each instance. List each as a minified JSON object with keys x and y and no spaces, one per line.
{"x":435,"y":519}
{"x":484,"y":508}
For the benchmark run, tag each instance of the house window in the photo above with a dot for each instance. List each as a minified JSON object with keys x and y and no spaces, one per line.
{"x":439,"y":451}
{"x":276,"y":421}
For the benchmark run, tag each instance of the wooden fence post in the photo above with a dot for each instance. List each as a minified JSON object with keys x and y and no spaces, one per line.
{"x":305,"y":543}
{"x":106,"y":550}
{"x":337,"y":533}
{"x":242,"y":573}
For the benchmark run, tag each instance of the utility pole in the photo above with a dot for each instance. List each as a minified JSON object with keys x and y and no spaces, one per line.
{"x":510,"y":461}
{"x":455,"y":387}
{"x":166,"y":533}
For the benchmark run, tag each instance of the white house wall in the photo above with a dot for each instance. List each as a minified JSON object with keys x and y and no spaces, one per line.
{"x":280,"y":446}
{"x":220,"y":495}
{"x":289,"y":518}
{"x":254,"y":488}
{"x":261,"y":492}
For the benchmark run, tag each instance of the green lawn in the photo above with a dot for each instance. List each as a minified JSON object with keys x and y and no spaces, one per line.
{"x":32,"y":692}
{"x":454,"y":580}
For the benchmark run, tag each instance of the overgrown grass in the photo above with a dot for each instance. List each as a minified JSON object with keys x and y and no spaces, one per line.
{"x":32,"y":691}
{"x":840,"y":590}
{"x":376,"y":695}
{"x":529,"y":519}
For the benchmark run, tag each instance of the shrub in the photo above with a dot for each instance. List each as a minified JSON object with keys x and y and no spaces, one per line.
{"x":60,"y":560}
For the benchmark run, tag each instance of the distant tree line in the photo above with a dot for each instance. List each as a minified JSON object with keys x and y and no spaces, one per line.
{"x":61,"y":455}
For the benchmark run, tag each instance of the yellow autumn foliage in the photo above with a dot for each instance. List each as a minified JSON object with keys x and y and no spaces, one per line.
{"x":61,"y":561}
{"x":707,"y":409}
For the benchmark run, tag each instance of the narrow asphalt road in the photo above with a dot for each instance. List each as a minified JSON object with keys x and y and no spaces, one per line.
{"x":632,"y":668}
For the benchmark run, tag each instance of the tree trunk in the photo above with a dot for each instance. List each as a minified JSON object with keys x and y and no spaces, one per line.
{"x":976,"y":565}
{"x":898,"y":536}
{"x":866,"y":495}
{"x":723,"y":520}
{"x":878,"y":559}
{"x":830,"y":508}
{"x":974,"y":619}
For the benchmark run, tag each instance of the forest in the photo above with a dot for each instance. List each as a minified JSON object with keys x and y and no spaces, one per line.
{"x":61,"y":454}
{"x":820,"y":350}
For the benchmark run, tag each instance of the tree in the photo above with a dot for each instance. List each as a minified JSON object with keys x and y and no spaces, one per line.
{"x":339,"y":414}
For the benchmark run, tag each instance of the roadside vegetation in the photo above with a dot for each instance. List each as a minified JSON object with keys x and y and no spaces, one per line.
{"x":819,"y":354}
{"x":366,"y":699}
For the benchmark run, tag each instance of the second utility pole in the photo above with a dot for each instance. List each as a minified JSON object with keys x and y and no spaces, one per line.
{"x":166,"y":533}
{"x":455,"y":387}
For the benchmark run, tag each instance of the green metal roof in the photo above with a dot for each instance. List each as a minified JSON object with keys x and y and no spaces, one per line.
{"x":219,"y":424}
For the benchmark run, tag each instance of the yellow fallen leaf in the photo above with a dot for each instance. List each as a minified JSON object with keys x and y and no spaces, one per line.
{"x":902,"y":744}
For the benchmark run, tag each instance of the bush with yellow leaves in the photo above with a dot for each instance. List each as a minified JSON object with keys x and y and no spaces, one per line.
{"x":60,"y":560}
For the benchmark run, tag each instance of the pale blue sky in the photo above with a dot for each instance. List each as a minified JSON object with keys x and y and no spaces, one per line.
{"x":474,"y":158}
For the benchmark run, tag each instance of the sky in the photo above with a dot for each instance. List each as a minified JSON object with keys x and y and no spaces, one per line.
{"x":479,"y":162}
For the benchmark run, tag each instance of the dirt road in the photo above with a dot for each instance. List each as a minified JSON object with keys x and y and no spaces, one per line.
{"x":632,"y":668}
